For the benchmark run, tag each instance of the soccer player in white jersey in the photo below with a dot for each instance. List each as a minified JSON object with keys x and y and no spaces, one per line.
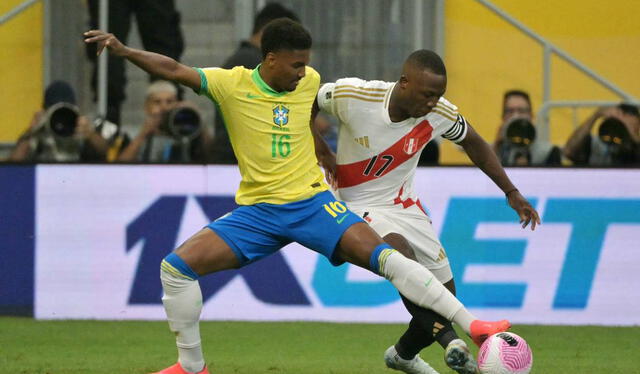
{"x":384,"y":127}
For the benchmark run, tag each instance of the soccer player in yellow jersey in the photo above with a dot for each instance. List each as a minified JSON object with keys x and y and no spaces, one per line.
{"x":282,"y":196}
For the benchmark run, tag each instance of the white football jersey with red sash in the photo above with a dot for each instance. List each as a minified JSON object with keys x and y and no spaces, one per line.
{"x":377,"y":158}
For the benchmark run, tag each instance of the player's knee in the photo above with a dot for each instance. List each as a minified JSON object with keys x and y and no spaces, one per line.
{"x":173,"y":267}
{"x":400,"y":244}
{"x":407,"y":252}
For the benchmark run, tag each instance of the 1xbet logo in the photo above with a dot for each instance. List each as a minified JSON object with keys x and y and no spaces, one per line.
{"x":157,"y":227}
{"x":272,"y":280}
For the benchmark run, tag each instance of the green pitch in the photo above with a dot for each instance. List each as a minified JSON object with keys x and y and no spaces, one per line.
{"x":86,"y":347}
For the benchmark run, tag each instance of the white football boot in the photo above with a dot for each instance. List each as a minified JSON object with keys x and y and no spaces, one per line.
{"x":413,"y":366}
{"x":459,"y":358}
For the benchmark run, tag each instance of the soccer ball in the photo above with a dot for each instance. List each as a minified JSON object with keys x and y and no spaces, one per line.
{"x":505,"y":353}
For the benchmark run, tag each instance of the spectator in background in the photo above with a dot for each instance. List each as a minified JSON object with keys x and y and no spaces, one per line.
{"x":617,"y":142}
{"x":159,"y":27}
{"x":58,"y":133}
{"x":248,"y":55}
{"x":172,"y":131}
{"x":516,"y":142}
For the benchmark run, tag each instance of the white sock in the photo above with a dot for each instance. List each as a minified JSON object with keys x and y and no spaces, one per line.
{"x":463,"y":318}
{"x":419,"y":285}
{"x":182,"y":301}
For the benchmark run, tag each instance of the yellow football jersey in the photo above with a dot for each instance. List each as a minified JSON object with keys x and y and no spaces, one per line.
{"x":269,"y":132}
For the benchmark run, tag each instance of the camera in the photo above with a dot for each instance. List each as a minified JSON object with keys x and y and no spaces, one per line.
{"x":619,"y":148}
{"x":61,"y":120}
{"x":182,"y":123}
{"x":519,"y":135}
{"x":613,"y":132}
{"x":520,"y":132}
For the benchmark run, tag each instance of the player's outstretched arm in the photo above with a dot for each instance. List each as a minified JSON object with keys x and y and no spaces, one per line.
{"x":153,"y":63}
{"x":485,"y":158}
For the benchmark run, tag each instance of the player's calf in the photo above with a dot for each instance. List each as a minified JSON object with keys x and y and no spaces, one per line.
{"x":414,"y":281}
{"x":182,"y":302}
{"x":420,"y":286}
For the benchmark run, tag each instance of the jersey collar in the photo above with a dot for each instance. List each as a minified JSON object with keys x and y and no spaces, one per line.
{"x":385,"y":110}
{"x":263,"y":86}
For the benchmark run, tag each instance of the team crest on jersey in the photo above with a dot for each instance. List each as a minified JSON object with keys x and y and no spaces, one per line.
{"x":280,"y":115}
{"x":410,"y":145}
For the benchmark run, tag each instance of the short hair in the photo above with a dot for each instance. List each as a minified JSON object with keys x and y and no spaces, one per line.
{"x":161,"y":86}
{"x":520,"y":93}
{"x":283,"y":33}
{"x":58,"y":92}
{"x":629,"y":109}
{"x":426,"y":59}
{"x":270,"y":12}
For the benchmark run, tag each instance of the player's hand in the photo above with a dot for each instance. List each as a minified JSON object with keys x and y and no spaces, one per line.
{"x":525,"y":211}
{"x":108,"y":40}
{"x":328,"y":163}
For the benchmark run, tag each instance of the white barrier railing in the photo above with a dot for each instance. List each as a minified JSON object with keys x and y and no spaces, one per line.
{"x":550,"y":49}
{"x":17,"y":10}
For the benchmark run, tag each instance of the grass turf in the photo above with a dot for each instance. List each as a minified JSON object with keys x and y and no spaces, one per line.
{"x":86,"y":347}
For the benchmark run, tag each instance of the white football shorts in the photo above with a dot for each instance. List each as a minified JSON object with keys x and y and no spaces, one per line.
{"x":415,"y":226}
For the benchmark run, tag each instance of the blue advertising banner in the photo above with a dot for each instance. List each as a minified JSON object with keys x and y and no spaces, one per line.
{"x":85,"y":242}
{"x":17,"y":226}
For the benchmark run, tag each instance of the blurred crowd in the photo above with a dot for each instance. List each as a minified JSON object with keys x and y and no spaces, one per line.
{"x":173,"y":130}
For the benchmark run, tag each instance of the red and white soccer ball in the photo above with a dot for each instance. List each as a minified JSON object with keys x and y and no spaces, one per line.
{"x":505,"y":353}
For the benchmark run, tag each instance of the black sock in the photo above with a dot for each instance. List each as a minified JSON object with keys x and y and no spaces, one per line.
{"x":432,"y":323}
{"x":446,"y":335}
{"x":413,"y":340}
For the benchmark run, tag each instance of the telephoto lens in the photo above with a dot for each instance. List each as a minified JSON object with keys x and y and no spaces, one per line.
{"x":61,"y":119}
{"x":613,"y":131}
{"x":184,"y":122}
{"x":521,"y":132}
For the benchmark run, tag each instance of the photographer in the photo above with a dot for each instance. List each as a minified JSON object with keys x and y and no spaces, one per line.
{"x":172,"y":132}
{"x":617,"y":142}
{"x":58,"y":133}
{"x":522,"y":147}
{"x":515,"y":150}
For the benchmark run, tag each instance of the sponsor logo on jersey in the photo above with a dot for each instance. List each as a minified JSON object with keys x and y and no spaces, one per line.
{"x":339,"y":220}
{"x":436,"y":328}
{"x":280,"y":115}
{"x":363,"y":141}
{"x":366,"y":217}
{"x":442,"y":255}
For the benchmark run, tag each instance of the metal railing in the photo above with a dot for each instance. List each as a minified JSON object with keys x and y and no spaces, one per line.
{"x":103,"y":24}
{"x":16,"y":10}
{"x":102,"y":61}
{"x":548,"y":50}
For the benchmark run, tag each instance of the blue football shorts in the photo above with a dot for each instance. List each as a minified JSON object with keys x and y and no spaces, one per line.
{"x":256,"y":231}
